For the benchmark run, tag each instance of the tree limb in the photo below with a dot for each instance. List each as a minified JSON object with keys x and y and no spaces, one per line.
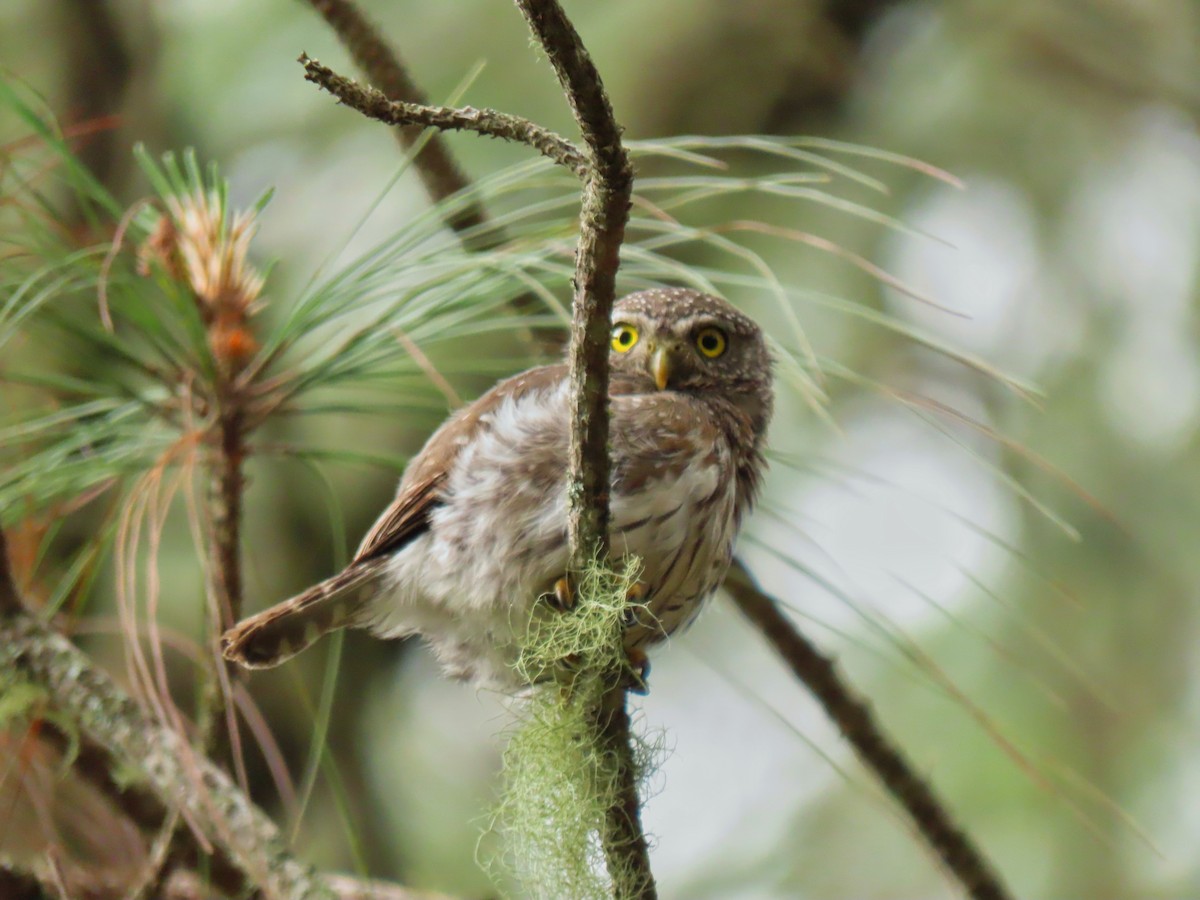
{"x":607,"y":189}
{"x":854,"y":719}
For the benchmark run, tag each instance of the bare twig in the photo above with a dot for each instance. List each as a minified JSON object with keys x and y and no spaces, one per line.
{"x":607,"y":189}
{"x":853,"y":716}
{"x":487,"y":122}
{"x":435,"y":165}
{"x":383,"y":68}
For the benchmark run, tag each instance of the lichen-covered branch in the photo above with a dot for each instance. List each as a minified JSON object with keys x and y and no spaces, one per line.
{"x":608,"y":187}
{"x":487,"y":122}
{"x":177,"y":776}
{"x":853,"y":717}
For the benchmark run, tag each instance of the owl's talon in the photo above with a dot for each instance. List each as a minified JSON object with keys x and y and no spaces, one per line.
{"x":633,"y":599}
{"x":639,"y":674}
{"x":562,"y":596}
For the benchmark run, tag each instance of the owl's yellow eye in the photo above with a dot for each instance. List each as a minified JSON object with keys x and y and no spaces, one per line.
{"x":711,"y":342}
{"x":624,"y":337}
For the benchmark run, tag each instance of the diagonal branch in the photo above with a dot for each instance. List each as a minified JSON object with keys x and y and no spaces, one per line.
{"x":113,"y":720}
{"x":436,"y":166}
{"x":853,"y":716}
{"x":175,"y":775}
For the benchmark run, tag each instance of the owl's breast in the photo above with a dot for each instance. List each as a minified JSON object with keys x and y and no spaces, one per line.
{"x":676,"y":511}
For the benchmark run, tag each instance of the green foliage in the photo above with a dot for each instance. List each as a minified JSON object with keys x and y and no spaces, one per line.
{"x":118,"y":349}
{"x":559,"y":781}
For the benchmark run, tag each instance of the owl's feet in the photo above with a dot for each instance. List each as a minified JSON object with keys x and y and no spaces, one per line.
{"x":562,"y":596}
{"x":638,"y":681}
{"x":633,"y":602}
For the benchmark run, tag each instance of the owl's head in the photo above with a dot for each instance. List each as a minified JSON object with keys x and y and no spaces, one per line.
{"x":684,"y":340}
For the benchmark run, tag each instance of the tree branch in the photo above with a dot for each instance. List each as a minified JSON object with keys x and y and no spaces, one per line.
{"x":225,"y":504}
{"x":607,"y":190}
{"x":606,"y":199}
{"x":853,"y":716}
{"x":435,"y":164}
{"x":177,"y":776}
{"x":487,"y":122}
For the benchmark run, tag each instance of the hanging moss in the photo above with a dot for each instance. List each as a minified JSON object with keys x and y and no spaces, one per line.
{"x":558,"y":781}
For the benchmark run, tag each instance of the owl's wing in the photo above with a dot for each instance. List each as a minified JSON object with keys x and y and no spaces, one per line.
{"x":421,"y":489}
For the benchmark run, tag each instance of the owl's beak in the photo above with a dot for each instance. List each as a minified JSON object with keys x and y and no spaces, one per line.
{"x":660,"y":366}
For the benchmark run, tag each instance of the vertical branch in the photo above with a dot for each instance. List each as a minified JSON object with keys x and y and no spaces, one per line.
{"x":607,"y":189}
{"x":226,"y":489}
{"x":606,"y":199}
{"x":857,"y":724}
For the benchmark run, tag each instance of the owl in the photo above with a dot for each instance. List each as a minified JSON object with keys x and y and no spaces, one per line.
{"x":476,"y":537}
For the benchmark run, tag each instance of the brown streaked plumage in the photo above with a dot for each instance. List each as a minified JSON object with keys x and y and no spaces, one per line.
{"x":477,"y":531}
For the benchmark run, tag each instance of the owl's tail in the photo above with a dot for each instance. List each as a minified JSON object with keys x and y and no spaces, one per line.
{"x":279,"y":633}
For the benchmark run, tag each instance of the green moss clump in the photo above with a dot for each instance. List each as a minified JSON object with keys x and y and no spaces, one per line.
{"x":558,"y":782}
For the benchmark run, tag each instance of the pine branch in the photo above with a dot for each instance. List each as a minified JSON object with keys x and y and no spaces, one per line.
{"x":854,"y":719}
{"x":225,"y":505}
{"x":442,"y":176}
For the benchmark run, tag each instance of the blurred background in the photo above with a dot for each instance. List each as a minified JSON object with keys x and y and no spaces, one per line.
{"x":1011,"y":579}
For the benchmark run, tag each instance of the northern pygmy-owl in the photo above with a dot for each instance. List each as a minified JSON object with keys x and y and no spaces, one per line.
{"x":477,"y":533}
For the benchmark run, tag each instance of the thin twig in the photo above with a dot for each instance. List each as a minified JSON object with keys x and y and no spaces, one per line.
{"x":487,"y":122}
{"x":435,"y":165}
{"x":442,"y":176}
{"x":608,"y":187}
{"x":854,"y":719}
